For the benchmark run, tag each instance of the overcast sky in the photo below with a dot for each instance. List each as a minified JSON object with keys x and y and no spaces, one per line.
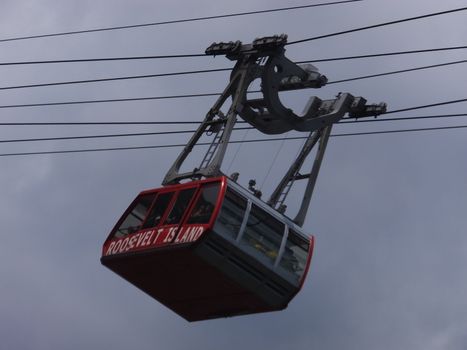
{"x":388,"y":214}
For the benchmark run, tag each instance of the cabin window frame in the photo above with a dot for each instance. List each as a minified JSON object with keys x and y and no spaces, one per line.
{"x":266,"y":243}
{"x":117,"y":233}
{"x":296,"y":240}
{"x":173,"y":203}
{"x":164,"y":213}
{"x":194,"y":203}
{"x":234,"y":202}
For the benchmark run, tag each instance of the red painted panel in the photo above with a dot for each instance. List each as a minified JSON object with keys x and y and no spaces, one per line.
{"x":185,"y":283}
{"x":167,"y":234}
{"x":310,"y":255}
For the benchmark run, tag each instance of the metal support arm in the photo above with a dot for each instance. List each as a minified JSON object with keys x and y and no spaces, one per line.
{"x":211,"y":164}
{"x":300,"y":218}
{"x":323,"y":114}
{"x":264,"y":59}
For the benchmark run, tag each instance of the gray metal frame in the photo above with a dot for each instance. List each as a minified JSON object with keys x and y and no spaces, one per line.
{"x":264,"y":59}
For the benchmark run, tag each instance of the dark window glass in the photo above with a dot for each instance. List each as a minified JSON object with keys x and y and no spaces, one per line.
{"x":231,"y":215}
{"x":205,"y":205}
{"x":135,"y":217}
{"x":263,"y":232}
{"x":182,"y":202}
{"x":295,"y":255}
{"x":158,"y":210}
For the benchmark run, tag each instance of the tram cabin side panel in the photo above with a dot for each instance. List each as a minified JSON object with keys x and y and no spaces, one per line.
{"x":172,"y":215}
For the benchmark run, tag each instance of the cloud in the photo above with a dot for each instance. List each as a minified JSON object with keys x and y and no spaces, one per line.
{"x":388,"y":212}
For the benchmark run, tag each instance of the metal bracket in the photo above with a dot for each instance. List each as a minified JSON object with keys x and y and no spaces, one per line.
{"x":245,"y":71}
{"x":248,"y":68}
{"x":264,"y":59}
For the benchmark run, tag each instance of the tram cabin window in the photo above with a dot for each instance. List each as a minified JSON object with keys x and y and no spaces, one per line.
{"x":264,"y":233}
{"x":158,"y":209}
{"x":135,"y":217}
{"x":295,"y":255}
{"x":202,"y":210}
{"x":180,"y":206}
{"x":231,"y":216}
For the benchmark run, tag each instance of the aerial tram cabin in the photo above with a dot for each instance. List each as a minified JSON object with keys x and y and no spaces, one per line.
{"x":208,"y":249}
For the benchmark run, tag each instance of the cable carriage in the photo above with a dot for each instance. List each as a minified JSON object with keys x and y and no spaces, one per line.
{"x":210,"y":248}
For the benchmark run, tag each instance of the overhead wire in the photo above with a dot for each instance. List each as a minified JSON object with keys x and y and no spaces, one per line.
{"x":151,"y":57}
{"x":349,"y":120}
{"x":379,"y":25}
{"x":241,"y":128}
{"x":237,"y":151}
{"x":129,"y":99}
{"x":215,"y":94}
{"x":383,"y":54}
{"x":226,"y":69}
{"x":100,"y":80}
{"x":101,"y":59}
{"x":176,"y":122}
{"x":231,"y":142}
{"x":273,"y":162}
{"x":193,"y":19}
{"x":159,"y":133}
{"x":397,"y":72}
{"x":229,"y":15}
{"x":401,"y":131}
{"x":61,"y":138}
{"x":436,"y":104}
{"x":145,"y":76}
{"x":346,"y":120}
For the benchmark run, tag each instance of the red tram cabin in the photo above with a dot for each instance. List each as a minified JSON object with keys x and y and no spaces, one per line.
{"x":209,"y":249}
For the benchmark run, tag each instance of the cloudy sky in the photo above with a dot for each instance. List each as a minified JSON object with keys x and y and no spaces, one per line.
{"x":388,"y":212}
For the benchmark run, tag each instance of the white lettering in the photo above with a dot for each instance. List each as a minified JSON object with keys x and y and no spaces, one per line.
{"x":190,"y":234}
{"x":117,"y":246}
{"x":190,"y":237}
{"x":159,"y":231}
{"x":109,"y":250}
{"x":124,"y":245}
{"x":182,"y":238}
{"x":131,"y":244}
{"x":170,"y":236}
{"x":199,"y":232}
{"x":147,"y":236}
{"x":177,"y":240}
{"x":140,"y":239}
